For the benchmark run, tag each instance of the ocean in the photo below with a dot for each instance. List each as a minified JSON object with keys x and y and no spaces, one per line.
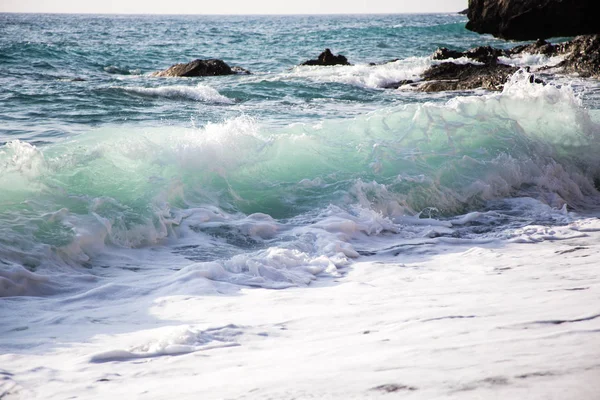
{"x":221,"y":237}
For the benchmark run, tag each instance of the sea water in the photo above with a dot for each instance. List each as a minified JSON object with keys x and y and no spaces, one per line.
{"x":118,"y":188}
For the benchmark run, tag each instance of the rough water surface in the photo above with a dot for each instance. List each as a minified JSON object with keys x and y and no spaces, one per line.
{"x":435,"y":245}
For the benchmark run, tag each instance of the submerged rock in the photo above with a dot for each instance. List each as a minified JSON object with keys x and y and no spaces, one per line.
{"x":452,"y":76}
{"x":533,"y":19}
{"x":396,"y":85}
{"x":210,"y":67}
{"x":327,"y":58}
{"x":240,"y":71}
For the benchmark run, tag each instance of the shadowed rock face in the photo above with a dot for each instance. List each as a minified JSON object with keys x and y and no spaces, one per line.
{"x":212,"y":67}
{"x":327,"y":58}
{"x":533,"y":19}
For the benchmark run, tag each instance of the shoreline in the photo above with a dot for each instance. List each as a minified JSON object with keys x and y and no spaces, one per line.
{"x":465,"y":322}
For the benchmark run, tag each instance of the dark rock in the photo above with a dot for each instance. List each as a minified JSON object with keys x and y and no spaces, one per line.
{"x":444,"y":53}
{"x":485,"y":54}
{"x":327,"y":58}
{"x":583,"y":56}
{"x":451,"y":76}
{"x":463,"y":12}
{"x":533,"y":19}
{"x":539,"y":47}
{"x":211,"y":67}
{"x":533,"y":79}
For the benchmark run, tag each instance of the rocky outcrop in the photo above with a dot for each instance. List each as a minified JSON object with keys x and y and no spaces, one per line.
{"x":487,"y":74}
{"x":539,"y":47}
{"x":488,"y":54}
{"x":533,"y":19}
{"x":583,"y":56}
{"x":444,"y":53}
{"x":452,"y":76}
{"x":483,"y":54}
{"x":211,"y":67}
{"x":327,"y":58}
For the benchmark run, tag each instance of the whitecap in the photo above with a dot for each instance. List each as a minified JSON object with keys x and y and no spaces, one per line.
{"x":202,"y":93}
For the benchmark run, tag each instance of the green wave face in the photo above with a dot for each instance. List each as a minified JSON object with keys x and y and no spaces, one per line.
{"x":132,"y":184}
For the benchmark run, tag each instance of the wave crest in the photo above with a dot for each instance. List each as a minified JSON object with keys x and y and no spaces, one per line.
{"x":202,"y":93}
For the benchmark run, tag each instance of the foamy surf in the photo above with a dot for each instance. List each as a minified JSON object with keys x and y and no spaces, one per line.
{"x":536,"y":61}
{"x":200,"y":92}
{"x":364,"y":75}
{"x":245,"y":186}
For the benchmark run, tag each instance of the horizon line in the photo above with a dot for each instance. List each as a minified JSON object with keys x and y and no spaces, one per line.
{"x":227,"y":15}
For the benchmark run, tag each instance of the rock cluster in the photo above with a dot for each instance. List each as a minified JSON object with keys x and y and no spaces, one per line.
{"x":488,"y":73}
{"x":583,"y":56}
{"x":482,"y":54}
{"x":451,"y":76}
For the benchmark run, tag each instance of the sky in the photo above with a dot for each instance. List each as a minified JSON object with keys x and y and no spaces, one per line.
{"x":233,"y":6}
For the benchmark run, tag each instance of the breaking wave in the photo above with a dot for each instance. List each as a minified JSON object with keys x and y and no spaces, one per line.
{"x":202,"y":93}
{"x":277,"y":206}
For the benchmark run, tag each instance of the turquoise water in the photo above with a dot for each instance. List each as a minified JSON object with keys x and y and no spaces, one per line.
{"x":98,"y":157}
{"x":41,"y":54}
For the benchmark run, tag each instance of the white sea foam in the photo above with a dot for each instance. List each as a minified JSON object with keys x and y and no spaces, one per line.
{"x":532,"y":60}
{"x":113,"y":69}
{"x":200,"y":92}
{"x":21,"y":158}
{"x":498,"y":301}
{"x":171,"y":341}
{"x":460,"y":60}
{"x":364,"y":75}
